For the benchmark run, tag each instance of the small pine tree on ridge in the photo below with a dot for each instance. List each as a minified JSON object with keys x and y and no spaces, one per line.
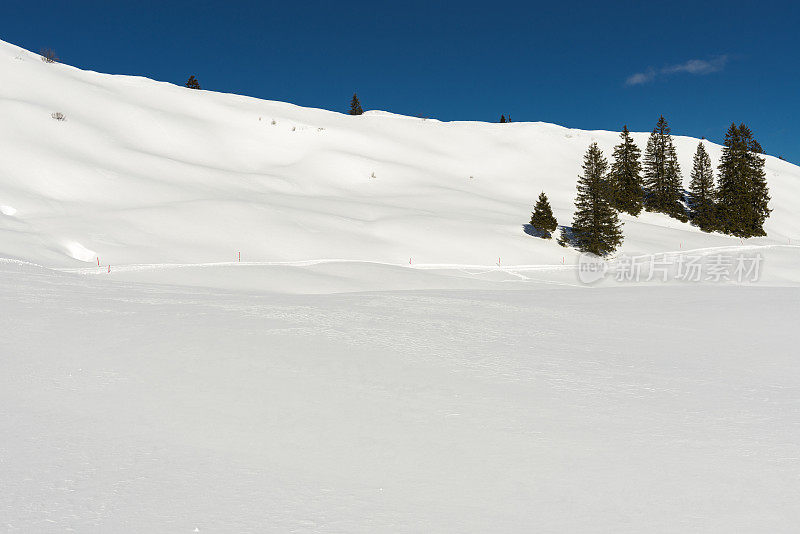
{"x":355,"y":106}
{"x":192,"y":83}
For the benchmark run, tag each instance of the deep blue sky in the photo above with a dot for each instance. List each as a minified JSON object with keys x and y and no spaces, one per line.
{"x":701,"y":64}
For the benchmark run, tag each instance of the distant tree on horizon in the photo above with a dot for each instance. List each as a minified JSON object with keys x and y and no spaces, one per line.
{"x":542,"y":217}
{"x":662,"y":174}
{"x":625,"y":179}
{"x":596,"y":225}
{"x":49,"y":55}
{"x":192,"y":83}
{"x":355,"y":106}
{"x":502,"y":119}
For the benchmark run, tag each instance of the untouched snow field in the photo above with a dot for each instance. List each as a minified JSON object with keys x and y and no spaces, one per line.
{"x":393,"y":353}
{"x":127,"y":408}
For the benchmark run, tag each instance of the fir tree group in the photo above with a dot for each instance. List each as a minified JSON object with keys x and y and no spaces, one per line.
{"x":742,"y":193}
{"x":703,"y":209}
{"x":738,"y":204}
{"x":192,"y":83}
{"x":355,"y":106}
{"x":625,"y":179}
{"x":542,"y":217}
{"x":662,"y":175}
{"x":595,"y":227}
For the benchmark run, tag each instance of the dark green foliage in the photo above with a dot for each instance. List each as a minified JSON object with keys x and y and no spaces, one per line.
{"x":192,"y":83}
{"x":355,"y":106}
{"x":625,"y":179}
{"x":502,"y":119}
{"x":596,"y":226}
{"x":701,"y":191}
{"x":542,"y":217}
{"x":742,"y":193}
{"x":662,"y":175}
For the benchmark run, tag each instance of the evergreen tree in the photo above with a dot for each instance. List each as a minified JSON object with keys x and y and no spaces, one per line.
{"x":355,"y":106}
{"x":542,"y":217}
{"x":596,"y":226}
{"x":625,"y":177}
{"x":502,"y":119}
{"x":742,"y":193}
{"x":701,"y":191}
{"x":662,"y":175}
{"x":192,"y":83}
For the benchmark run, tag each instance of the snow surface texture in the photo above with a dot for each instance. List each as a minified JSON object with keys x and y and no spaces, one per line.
{"x":276,"y":395}
{"x":127,"y":408}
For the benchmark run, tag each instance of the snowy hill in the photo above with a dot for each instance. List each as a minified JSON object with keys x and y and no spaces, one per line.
{"x":145,"y":172}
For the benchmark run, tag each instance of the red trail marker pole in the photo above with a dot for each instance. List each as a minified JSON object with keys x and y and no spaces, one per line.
{"x":98,"y":261}
{"x":109,"y":268}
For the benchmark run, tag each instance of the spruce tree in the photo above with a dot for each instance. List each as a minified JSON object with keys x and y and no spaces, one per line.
{"x":625,"y":177}
{"x":596,"y":226}
{"x":192,"y":83}
{"x":701,"y":191}
{"x":742,"y":193}
{"x":355,"y":106}
{"x":542,"y":217}
{"x":662,"y":175}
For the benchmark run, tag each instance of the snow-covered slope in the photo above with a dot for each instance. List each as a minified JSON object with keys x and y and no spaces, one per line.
{"x":145,"y":172}
{"x":144,"y":407}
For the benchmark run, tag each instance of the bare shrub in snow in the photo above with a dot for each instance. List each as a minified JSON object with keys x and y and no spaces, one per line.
{"x":49,"y":55}
{"x":58,"y":116}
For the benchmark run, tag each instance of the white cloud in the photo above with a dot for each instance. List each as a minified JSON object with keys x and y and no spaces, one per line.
{"x":693,"y":66}
{"x":641,"y":77}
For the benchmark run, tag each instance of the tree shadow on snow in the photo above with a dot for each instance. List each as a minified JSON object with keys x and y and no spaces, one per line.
{"x":567,"y":237}
{"x":535,"y":232}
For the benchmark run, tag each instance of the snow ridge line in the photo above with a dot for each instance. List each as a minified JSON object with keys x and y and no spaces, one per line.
{"x":420,"y":266}
{"x":309,"y":263}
